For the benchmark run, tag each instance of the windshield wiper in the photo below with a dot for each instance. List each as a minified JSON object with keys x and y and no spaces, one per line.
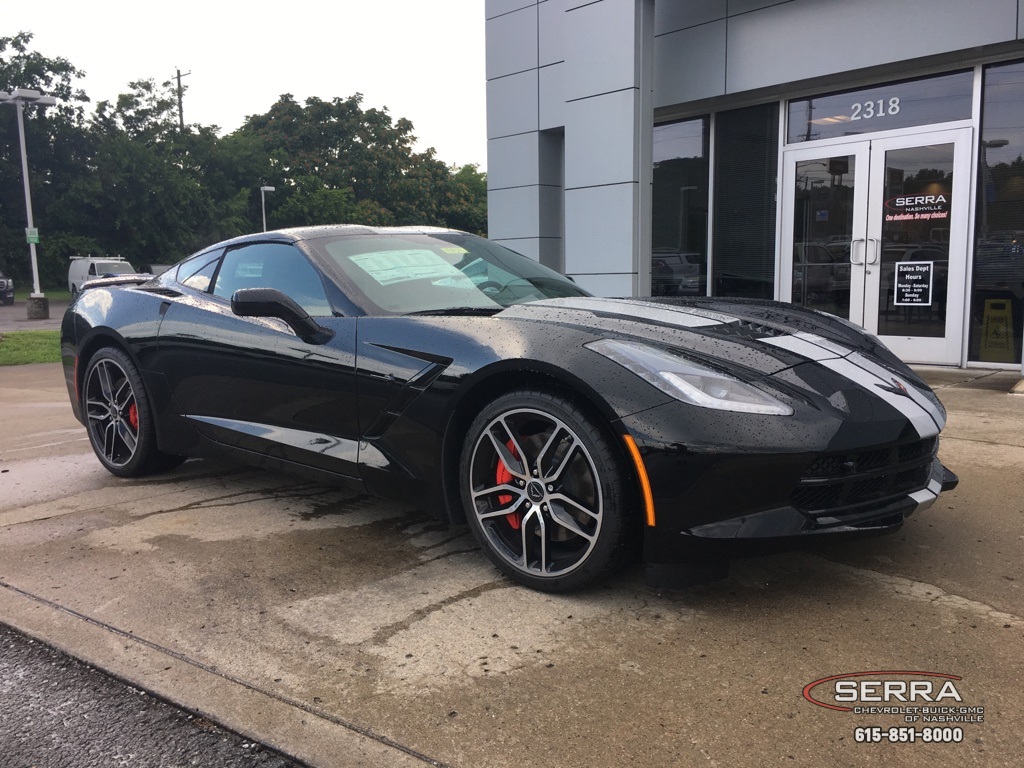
{"x":457,"y":311}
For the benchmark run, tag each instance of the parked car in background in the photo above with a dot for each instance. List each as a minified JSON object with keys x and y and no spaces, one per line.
{"x":6,"y":289}
{"x":86,"y":268}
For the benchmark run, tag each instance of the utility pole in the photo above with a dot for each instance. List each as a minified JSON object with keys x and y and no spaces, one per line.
{"x":181,"y":112}
{"x":38,"y":305}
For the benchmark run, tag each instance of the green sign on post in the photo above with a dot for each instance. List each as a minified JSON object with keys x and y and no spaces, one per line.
{"x":32,"y":235}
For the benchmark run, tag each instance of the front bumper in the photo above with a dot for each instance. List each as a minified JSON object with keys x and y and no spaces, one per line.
{"x":880,"y":516}
{"x":722,"y":502}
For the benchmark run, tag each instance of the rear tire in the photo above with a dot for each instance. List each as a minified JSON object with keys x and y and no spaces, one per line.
{"x":119,"y":417}
{"x":545,"y":492}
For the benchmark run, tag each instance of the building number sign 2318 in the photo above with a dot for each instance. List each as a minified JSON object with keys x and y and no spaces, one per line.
{"x":879,"y":108}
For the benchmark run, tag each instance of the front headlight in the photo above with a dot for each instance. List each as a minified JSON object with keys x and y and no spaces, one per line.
{"x":687,"y":381}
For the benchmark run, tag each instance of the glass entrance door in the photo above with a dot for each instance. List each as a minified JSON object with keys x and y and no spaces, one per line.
{"x":876,"y":231}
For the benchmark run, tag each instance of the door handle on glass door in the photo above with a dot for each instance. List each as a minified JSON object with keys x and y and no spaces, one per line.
{"x":853,"y":252}
{"x":874,"y":250}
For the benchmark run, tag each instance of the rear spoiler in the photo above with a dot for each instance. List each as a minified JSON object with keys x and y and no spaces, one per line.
{"x":110,"y":282}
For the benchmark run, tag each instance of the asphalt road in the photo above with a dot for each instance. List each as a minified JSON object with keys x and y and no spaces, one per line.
{"x":14,"y":317}
{"x":56,"y":712}
{"x":350,"y":632}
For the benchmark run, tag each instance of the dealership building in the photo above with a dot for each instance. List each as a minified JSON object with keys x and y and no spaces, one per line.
{"x":862,"y":157}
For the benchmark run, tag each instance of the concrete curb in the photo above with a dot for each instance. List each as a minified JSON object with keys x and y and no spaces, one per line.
{"x":292,"y":728}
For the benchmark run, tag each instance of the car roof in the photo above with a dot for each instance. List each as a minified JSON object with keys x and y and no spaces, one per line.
{"x":295,"y":234}
{"x":334,"y":230}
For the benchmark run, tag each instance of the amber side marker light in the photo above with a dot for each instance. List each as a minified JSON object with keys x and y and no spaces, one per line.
{"x":641,"y":473}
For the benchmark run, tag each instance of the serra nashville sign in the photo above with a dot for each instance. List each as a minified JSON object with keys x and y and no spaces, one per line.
{"x":918,"y":207}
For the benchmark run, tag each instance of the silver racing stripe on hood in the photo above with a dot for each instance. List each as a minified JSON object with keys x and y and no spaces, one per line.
{"x":807,"y":345}
{"x":913,"y":392}
{"x":896,"y":395}
{"x":679,"y":317}
{"x":824,"y":343}
{"x":880,"y":382}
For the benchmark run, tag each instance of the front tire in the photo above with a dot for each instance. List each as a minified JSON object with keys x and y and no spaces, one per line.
{"x":119,"y":417}
{"x":545,"y":492}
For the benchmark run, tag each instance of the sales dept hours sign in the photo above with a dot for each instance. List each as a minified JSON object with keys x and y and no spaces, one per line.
{"x":913,"y":284}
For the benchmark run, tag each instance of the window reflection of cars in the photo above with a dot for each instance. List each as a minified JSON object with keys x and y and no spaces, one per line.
{"x":818,"y":274}
{"x":839,"y":247}
{"x":999,"y":263}
{"x":677,"y":274}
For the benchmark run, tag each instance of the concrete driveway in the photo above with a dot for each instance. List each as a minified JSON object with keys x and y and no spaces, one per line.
{"x":348,"y":631}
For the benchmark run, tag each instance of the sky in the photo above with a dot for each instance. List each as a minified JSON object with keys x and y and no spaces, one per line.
{"x":421,"y":59}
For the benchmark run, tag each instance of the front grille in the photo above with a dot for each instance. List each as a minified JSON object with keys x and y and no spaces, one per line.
{"x":840,"y":480}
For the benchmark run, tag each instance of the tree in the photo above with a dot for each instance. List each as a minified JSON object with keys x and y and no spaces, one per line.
{"x":465,"y":200}
{"x":57,"y":146}
{"x":127,"y":179}
{"x":363,"y":163}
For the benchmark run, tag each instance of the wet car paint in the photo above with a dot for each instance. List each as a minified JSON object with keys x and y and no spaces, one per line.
{"x":385,"y":402}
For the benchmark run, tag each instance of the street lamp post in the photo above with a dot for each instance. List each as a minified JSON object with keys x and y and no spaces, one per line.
{"x":38,"y":306}
{"x":263,"y":203}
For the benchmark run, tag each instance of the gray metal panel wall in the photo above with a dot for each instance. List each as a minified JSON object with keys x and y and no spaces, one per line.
{"x":569,"y":89}
{"x":766,"y":44}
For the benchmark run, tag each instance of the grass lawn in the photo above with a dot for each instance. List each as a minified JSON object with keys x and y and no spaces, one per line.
{"x":53,"y":294}
{"x":22,"y":347}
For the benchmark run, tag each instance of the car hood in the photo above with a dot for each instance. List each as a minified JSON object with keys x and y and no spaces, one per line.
{"x":764,"y":337}
{"x":813,"y":353}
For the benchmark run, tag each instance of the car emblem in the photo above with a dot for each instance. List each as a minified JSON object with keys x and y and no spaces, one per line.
{"x":535,"y":491}
{"x":896,"y":388}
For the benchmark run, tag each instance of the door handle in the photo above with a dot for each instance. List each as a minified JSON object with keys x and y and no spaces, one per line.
{"x":874,"y":250}
{"x":853,"y":251}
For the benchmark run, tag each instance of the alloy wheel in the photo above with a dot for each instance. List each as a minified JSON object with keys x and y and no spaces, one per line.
{"x":536,"y":493}
{"x":113,"y":413}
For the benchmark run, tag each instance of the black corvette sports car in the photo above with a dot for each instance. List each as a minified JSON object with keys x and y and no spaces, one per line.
{"x":569,"y":432}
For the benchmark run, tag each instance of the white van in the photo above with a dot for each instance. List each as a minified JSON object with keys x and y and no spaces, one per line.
{"x":86,"y":268}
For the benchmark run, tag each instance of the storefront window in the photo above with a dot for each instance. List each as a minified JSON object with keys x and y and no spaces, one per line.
{"x":997,"y":302}
{"x":746,"y":174}
{"x":881,"y":108}
{"x":679,"y":202}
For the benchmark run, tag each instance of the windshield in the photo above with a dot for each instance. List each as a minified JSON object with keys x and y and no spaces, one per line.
{"x":406,"y":273}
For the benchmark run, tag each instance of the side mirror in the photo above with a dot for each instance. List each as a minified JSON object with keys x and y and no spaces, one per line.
{"x":270,"y":302}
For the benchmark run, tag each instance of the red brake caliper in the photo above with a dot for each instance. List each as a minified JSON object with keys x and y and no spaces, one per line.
{"x":133,"y":416}
{"x":503,"y":476}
